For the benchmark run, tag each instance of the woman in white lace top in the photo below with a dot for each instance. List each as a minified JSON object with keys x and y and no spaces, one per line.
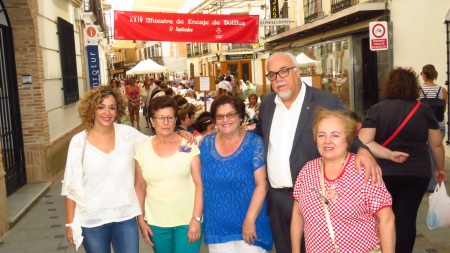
{"x":101,"y":204}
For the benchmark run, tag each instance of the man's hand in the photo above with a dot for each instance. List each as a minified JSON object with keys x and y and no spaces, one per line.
{"x":365,"y":159}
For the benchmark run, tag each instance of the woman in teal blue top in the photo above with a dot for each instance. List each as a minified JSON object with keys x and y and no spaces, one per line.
{"x":234,"y":184}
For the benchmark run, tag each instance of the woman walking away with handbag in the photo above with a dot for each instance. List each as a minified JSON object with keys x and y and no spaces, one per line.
{"x":406,"y":171}
{"x":334,"y":209}
{"x":430,"y":90}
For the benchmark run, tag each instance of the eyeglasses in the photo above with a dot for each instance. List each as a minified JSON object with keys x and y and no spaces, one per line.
{"x":320,"y":196}
{"x":161,"y":118}
{"x":284,"y":72}
{"x":230,"y":115}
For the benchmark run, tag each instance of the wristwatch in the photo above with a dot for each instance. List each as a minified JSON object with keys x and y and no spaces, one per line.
{"x":197,"y":218}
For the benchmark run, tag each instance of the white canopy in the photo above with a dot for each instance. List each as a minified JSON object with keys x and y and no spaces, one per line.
{"x":145,"y":67}
{"x":303,"y":59}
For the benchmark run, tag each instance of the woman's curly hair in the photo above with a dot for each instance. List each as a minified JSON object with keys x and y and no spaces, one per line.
{"x":401,"y":83}
{"x":88,"y":104}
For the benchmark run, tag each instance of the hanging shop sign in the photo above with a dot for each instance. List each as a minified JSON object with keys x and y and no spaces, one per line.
{"x":239,"y":57}
{"x":274,"y":11}
{"x":92,"y":56}
{"x":181,"y":27}
{"x":274,"y":22}
{"x":93,"y":66}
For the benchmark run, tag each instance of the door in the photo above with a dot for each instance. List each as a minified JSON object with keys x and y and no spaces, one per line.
{"x":369,"y":75}
{"x":10,"y":119}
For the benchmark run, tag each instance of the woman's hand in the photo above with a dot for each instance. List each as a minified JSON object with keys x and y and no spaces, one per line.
{"x":439,"y":176}
{"x":69,"y":234}
{"x":146,"y":231}
{"x":249,"y":232}
{"x":398,"y":157}
{"x":194,"y":231}
{"x":365,"y":159}
{"x":187,"y":136}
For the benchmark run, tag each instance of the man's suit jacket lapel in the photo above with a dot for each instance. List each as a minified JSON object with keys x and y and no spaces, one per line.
{"x":269,"y":114}
{"x":305,"y":115}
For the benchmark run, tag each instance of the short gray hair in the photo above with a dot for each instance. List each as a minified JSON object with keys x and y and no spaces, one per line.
{"x":293,"y":58}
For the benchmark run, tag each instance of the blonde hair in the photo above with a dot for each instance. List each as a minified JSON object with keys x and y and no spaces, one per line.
{"x":88,"y":104}
{"x":349,"y":124}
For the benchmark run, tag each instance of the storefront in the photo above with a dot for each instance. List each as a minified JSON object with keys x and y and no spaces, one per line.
{"x":237,"y":65}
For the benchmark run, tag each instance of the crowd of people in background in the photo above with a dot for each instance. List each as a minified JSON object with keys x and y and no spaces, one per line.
{"x":292,"y":169}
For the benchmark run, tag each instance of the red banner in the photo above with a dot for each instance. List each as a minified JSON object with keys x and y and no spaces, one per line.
{"x":153,"y":26}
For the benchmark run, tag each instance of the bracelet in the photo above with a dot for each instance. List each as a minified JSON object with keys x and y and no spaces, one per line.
{"x":69,"y":225}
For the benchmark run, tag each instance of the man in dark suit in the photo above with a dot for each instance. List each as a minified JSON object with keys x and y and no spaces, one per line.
{"x":285,"y":121}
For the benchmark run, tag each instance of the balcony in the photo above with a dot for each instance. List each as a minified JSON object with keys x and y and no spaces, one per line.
{"x":157,"y":59}
{"x":196,"y":51}
{"x":319,"y":20}
{"x":312,"y":10}
{"x":339,"y":5}
{"x":189,"y":49}
{"x":95,"y":7}
{"x":205,"y":48}
{"x":234,"y":46}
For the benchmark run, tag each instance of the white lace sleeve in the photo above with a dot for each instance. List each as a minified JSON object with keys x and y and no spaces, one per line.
{"x":72,"y":184}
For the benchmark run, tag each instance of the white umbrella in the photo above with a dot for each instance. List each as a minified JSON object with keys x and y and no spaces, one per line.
{"x":146,"y":67}
{"x":303,"y":59}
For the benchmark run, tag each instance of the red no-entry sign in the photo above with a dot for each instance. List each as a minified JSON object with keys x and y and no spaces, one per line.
{"x":378,"y":35}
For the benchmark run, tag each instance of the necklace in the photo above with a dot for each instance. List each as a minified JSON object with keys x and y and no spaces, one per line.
{"x":332,"y":194}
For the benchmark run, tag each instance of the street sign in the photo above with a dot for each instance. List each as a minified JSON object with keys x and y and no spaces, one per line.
{"x":378,"y":35}
{"x":90,"y":35}
{"x":274,"y":22}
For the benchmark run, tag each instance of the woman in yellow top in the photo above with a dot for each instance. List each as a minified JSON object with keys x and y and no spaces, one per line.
{"x":168,"y":185}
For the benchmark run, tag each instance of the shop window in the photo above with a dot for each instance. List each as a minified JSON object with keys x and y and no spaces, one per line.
{"x":331,"y":71}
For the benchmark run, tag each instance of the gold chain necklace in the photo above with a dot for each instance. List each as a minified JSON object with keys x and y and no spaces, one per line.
{"x":332,"y":194}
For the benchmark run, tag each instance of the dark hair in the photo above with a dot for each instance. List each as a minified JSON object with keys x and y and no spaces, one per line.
{"x":176,"y":97}
{"x":235,"y":102}
{"x":252,"y":95}
{"x":161,"y":103}
{"x":228,"y":78}
{"x":181,"y":101}
{"x":181,"y":115}
{"x":203,"y":115}
{"x":430,"y":72}
{"x":401,"y":83}
{"x":352,"y":115}
{"x":202,"y":124}
{"x":168,"y":91}
{"x":163,"y":86}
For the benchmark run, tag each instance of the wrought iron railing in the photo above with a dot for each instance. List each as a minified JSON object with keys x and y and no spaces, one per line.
{"x":95,"y":6}
{"x":240,"y":46}
{"x":339,"y":5}
{"x":312,"y":9}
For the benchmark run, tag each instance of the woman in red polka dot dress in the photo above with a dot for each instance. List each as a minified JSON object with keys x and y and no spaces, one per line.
{"x":335,"y":210}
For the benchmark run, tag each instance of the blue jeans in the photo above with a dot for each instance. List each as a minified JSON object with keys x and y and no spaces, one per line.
{"x":432,"y":183}
{"x":123,"y":235}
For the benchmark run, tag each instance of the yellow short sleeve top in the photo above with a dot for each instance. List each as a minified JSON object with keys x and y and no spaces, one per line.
{"x":169,"y":199}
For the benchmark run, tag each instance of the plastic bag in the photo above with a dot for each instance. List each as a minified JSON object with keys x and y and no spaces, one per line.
{"x":439,"y":210}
